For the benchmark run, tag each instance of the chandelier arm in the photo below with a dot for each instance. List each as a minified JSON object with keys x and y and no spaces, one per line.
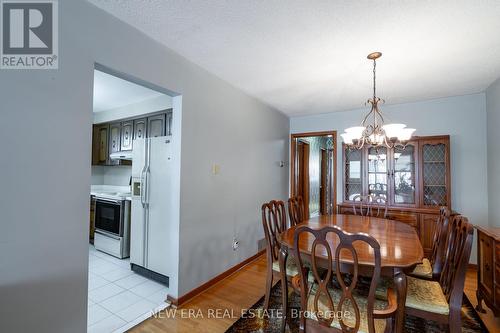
{"x":362,"y":143}
{"x":379,"y":113}
{"x":389,"y":145}
{"x":367,"y":115}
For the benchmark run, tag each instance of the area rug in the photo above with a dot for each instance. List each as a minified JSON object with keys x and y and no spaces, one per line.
{"x":254,"y":321}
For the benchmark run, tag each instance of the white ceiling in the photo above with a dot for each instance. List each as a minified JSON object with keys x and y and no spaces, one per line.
{"x":308,"y":57}
{"x":111,"y":92}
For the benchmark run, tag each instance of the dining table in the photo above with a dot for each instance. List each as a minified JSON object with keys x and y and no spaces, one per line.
{"x":400,"y":250}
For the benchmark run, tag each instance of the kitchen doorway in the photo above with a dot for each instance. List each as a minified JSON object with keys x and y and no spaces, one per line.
{"x":132,"y":269}
{"x":313,"y":171}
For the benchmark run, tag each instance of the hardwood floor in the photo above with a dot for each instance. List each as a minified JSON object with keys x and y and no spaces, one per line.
{"x":240,"y":291}
{"x":229,"y":297}
{"x":492,"y":323}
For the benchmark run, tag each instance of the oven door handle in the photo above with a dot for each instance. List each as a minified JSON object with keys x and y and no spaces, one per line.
{"x":99,"y":199}
{"x":107,"y":234}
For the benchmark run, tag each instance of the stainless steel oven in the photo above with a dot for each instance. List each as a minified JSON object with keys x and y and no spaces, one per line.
{"x":112,"y":225}
{"x":109,"y":215}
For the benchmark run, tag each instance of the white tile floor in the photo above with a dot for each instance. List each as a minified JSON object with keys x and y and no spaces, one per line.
{"x":118,"y":297}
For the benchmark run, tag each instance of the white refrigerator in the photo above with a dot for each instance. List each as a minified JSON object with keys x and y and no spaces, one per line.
{"x":152,"y":206}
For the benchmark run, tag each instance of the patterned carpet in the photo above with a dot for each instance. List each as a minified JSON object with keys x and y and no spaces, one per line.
{"x":258,"y":321}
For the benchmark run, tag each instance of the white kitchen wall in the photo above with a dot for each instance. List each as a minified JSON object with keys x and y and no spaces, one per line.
{"x":45,"y":203}
{"x":493,"y":117}
{"x":159,"y":103}
{"x":462,"y":117}
{"x":111,"y":175}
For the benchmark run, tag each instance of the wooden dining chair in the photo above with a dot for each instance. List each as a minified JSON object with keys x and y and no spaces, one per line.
{"x":345,"y":308}
{"x":431,"y":268}
{"x":296,"y":210}
{"x":441,"y":300}
{"x":360,"y":205}
{"x":274,"y":223}
{"x":378,"y":206}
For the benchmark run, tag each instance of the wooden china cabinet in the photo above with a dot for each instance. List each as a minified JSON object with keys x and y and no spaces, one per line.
{"x":414,"y":180}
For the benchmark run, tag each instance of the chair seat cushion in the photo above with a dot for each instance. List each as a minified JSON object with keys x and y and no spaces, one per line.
{"x":423,"y":270}
{"x":426,"y":295}
{"x":349,"y":320}
{"x":291,"y":267}
{"x":384,"y":284}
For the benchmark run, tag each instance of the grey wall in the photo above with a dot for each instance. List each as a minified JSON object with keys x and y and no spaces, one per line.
{"x":44,"y":251}
{"x":493,"y":117}
{"x":463,"y":118}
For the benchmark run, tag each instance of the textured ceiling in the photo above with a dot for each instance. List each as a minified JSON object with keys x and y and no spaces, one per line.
{"x":308,"y":57}
{"x":111,"y":92}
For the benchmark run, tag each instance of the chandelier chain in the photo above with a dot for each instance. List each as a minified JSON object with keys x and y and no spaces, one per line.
{"x":374,"y":78}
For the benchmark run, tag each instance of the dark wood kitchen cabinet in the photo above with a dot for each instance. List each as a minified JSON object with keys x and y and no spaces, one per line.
{"x":118,"y":136}
{"x":100,"y":135}
{"x":140,"y":126}
{"x":114,"y":140}
{"x":156,"y":126}
{"x":168,"y":123}
{"x":416,"y":181}
{"x":127,"y":132}
{"x":488,"y":270}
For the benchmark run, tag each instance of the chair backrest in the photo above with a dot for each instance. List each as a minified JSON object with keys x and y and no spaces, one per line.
{"x":295,"y":210}
{"x":274,"y":223}
{"x":344,"y":242}
{"x":457,"y":255}
{"x":378,"y":206}
{"x":360,"y":205}
{"x":439,"y":241}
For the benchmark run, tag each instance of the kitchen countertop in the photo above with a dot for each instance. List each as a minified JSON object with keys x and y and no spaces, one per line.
{"x":97,"y":190}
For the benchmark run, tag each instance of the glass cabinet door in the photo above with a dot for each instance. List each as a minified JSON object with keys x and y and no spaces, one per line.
{"x":403,"y":175}
{"x":434,"y":174}
{"x":377,"y":171}
{"x":353,"y":173}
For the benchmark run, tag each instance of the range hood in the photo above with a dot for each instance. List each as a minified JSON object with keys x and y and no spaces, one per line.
{"x":121,"y":155}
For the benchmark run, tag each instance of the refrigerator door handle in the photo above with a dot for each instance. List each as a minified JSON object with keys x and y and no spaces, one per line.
{"x":143,"y":171}
{"x":142,"y":186}
{"x":146,"y":183}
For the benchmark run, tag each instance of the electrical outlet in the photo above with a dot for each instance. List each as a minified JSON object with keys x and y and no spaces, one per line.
{"x":236,"y":244}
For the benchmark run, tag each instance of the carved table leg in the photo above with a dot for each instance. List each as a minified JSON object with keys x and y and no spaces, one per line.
{"x":400,"y":283}
{"x":479,"y":307}
{"x":284,"y":285}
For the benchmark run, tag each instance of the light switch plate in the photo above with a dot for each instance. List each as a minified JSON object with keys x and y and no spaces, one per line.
{"x":215,"y":169}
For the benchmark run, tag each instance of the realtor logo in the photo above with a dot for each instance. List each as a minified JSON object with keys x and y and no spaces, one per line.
{"x":29,"y":34}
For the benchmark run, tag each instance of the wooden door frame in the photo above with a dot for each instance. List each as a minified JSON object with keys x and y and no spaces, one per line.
{"x":305,"y":183}
{"x":322,"y":179}
{"x":293,"y":153}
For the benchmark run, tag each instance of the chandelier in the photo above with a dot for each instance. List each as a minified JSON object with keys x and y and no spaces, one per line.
{"x":373,"y":131}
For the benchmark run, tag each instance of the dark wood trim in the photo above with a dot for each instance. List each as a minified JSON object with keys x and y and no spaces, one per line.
{"x":472,"y":266}
{"x":196,"y":291}
{"x":334,"y":171}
